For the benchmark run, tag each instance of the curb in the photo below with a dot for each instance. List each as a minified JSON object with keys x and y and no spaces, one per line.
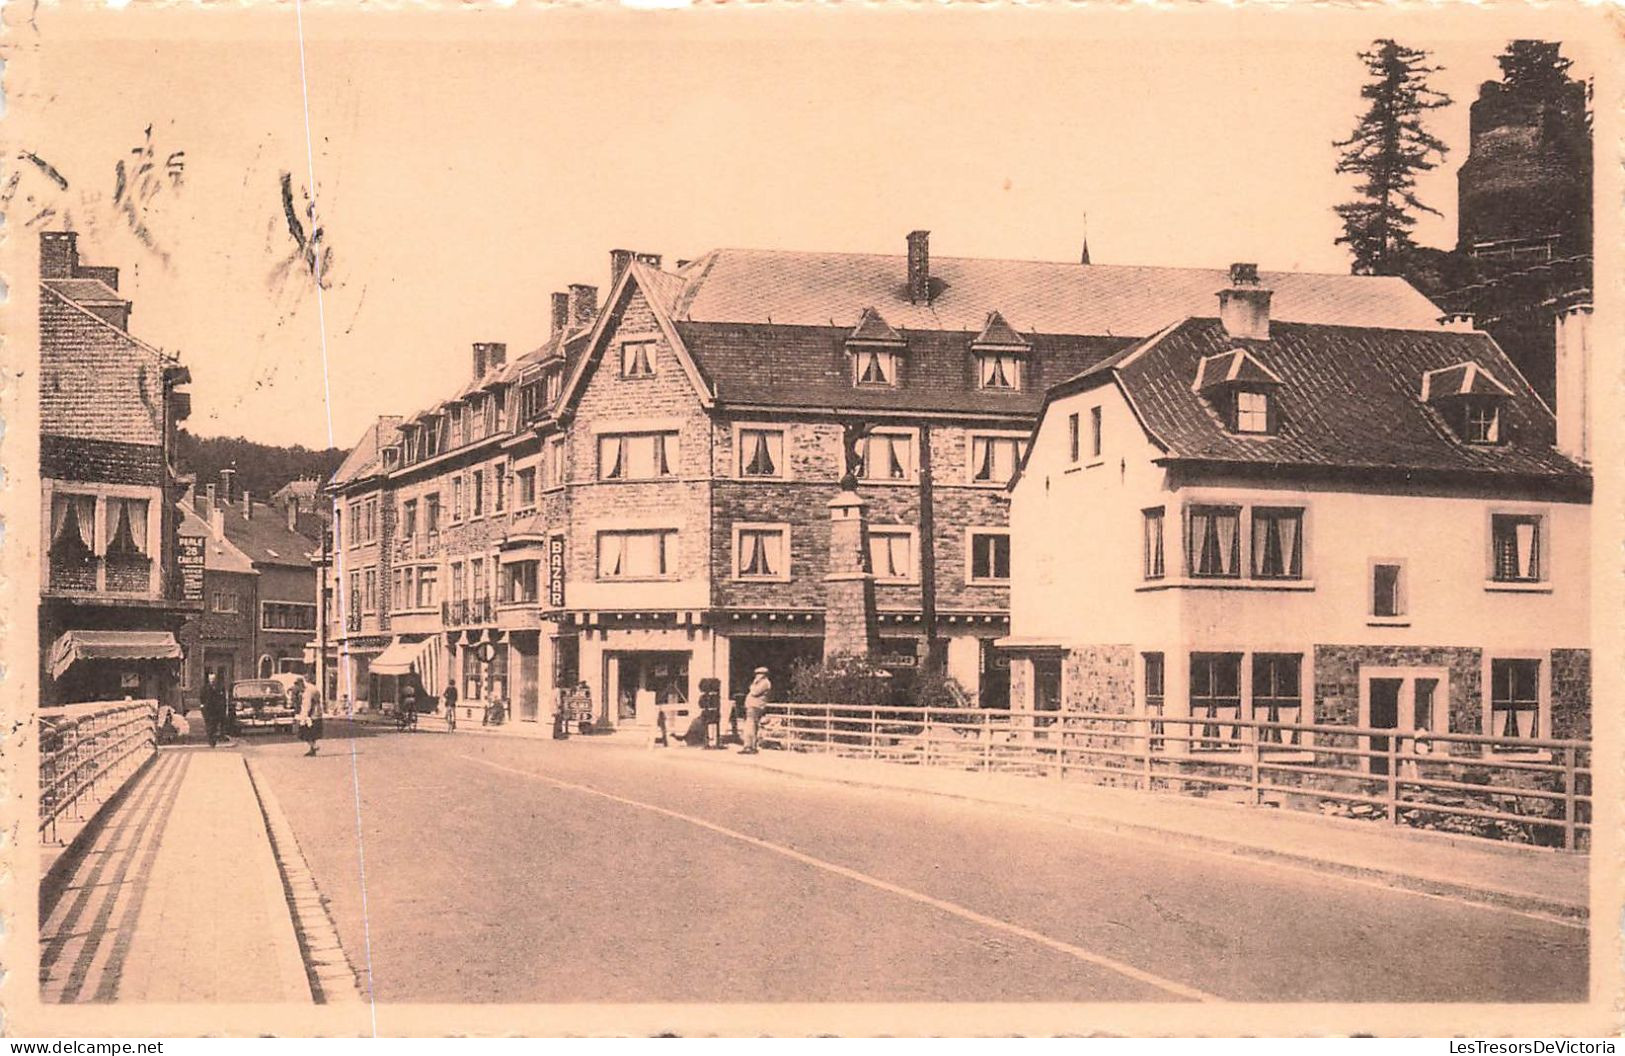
{"x":333,"y":980}
{"x":1565,"y":911}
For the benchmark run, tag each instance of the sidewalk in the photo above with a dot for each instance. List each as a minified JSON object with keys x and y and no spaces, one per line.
{"x":1527,"y":878}
{"x":174,"y":896}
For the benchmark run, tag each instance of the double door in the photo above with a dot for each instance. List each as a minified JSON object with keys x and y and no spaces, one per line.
{"x":1407,"y":700}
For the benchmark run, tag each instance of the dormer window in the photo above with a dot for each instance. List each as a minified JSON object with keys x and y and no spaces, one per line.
{"x":1469,"y":399}
{"x":875,"y":367}
{"x":876,"y":350}
{"x":1242,"y":390}
{"x":1000,"y":352}
{"x":999,"y":370}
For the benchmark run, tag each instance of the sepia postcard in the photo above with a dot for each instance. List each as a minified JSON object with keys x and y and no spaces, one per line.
{"x":787,"y":520}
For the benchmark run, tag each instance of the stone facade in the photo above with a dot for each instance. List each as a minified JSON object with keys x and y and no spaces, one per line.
{"x":1571,"y":693}
{"x":1337,"y":680}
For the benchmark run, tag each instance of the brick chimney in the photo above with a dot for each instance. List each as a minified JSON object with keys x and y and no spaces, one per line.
{"x":58,"y":254}
{"x":1244,"y":307}
{"x":292,"y":510}
{"x":851,"y":627}
{"x":488,"y":356}
{"x":226,"y":476}
{"x":248,"y":506}
{"x":619,"y":260}
{"x":206,"y":507}
{"x":919,"y":267}
{"x":1573,"y":382}
{"x":561,"y":313}
{"x":583,"y":304}
{"x":651,"y":260}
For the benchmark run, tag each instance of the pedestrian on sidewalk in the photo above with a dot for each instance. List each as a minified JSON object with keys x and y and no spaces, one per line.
{"x":450,"y":700}
{"x":755,"y":704}
{"x":214,"y":707}
{"x":307,"y":707}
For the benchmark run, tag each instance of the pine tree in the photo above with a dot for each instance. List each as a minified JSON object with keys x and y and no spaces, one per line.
{"x":1387,"y":149}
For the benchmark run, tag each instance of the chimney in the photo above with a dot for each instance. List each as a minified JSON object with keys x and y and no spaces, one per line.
{"x":651,"y":260}
{"x":207,"y":508}
{"x":619,"y":259}
{"x":1573,"y":382}
{"x":248,"y":506}
{"x":561,"y":313}
{"x":58,"y":254}
{"x":919,"y":267}
{"x":293,"y":515}
{"x":583,"y":304}
{"x":217,"y":522}
{"x":226,"y":476}
{"x":488,"y":356}
{"x":851,"y":626}
{"x":1244,"y":307}
{"x":1457,"y":322}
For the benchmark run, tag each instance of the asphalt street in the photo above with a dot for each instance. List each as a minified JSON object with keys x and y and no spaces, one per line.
{"x":468,"y":868}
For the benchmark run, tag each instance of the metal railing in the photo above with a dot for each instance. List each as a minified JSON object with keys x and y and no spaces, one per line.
{"x":467,"y":611}
{"x":1526,"y":790}
{"x":87,"y":752}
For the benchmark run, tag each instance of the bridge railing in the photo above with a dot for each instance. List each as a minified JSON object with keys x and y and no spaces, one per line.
{"x":1520,"y":789}
{"x":87,"y":753}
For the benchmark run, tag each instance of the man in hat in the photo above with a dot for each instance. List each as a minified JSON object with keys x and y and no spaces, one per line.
{"x":755,"y":705}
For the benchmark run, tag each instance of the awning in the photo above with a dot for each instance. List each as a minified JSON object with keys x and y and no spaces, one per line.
{"x":74,"y":646}
{"x":402,"y":657}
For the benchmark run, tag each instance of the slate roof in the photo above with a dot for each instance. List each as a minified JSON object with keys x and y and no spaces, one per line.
{"x":265,"y":537}
{"x":831,"y":289}
{"x":1349,"y":398}
{"x":97,"y":382}
{"x":364,"y":457}
{"x":810,"y":367}
{"x":219,"y":555}
{"x":85,"y":291}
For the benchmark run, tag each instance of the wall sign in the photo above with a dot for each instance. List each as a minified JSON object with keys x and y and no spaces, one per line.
{"x":555,"y":572}
{"x":189,"y":556}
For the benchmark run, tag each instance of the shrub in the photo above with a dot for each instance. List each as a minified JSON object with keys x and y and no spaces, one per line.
{"x":858,"y":681}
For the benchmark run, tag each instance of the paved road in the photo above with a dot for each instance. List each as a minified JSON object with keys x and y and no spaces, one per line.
{"x":508,"y":870}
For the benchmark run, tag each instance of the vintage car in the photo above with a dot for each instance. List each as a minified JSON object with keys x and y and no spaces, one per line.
{"x":263,"y":702}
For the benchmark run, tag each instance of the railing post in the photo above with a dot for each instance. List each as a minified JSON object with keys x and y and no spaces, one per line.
{"x":1393,"y":778}
{"x":1145,"y":757}
{"x":829,"y":727}
{"x":1255,"y":793}
{"x":874,"y":733}
{"x":1569,"y":836}
{"x":987,"y":742}
{"x":926,"y":735}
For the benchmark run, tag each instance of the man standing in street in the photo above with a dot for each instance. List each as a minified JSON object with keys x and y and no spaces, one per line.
{"x":214,"y":707}
{"x":755,"y":704}
{"x":449,"y":699}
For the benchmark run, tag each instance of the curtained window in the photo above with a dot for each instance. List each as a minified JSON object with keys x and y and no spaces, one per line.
{"x":1213,"y":541}
{"x":874,"y":367}
{"x":994,"y":458}
{"x":760,"y":553}
{"x":637,"y":359}
{"x":1155,"y":697}
{"x":636,"y":456}
{"x":1278,"y":695}
{"x":761,"y":452}
{"x":1482,"y":420}
{"x":635,"y":554}
{"x":1516,"y":542}
{"x":887,"y":456}
{"x":73,"y":527}
{"x":1216,"y":696}
{"x":1154,"y":567}
{"x":127,"y":527}
{"x":1514,"y":701}
{"x":1277,"y":543}
{"x":999,"y":370}
{"x":891,"y":554}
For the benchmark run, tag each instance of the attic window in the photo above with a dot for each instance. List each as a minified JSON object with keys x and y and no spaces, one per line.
{"x":1242,"y":389}
{"x":999,"y":370}
{"x":874,"y":366}
{"x":1469,"y":399}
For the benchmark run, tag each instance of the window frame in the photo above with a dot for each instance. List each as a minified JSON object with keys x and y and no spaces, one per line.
{"x":1198,"y":744}
{"x":1268,"y":411}
{"x":642,"y":340}
{"x":913,"y":475}
{"x":1191,"y":555}
{"x":1402,"y":604}
{"x":1159,"y":515}
{"x":1542,"y":552}
{"x":739,"y":431}
{"x":913,"y":533}
{"x":671,"y":454}
{"x":555,"y":463}
{"x":783,"y":528}
{"x":1543,"y":699}
{"x":1001,"y":435}
{"x":1015,"y":361}
{"x":519,"y":477}
{"x":891,"y":362}
{"x":1097,"y":432}
{"x":669,"y":554}
{"x":1254,"y":557}
{"x":990,"y":531}
{"x":1074,"y":425}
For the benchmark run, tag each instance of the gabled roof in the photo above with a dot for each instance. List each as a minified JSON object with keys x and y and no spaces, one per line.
{"x":872,"y":329}
{"x":998,"y":334}
{"x":1461,"y":379}
{"x":219,"y":555}
{"x":1349,"y":398}
{"x":363,"y":459}
{"x":265,"y":537}
{"x":1235,"y":367}
{"x":753,"y":286}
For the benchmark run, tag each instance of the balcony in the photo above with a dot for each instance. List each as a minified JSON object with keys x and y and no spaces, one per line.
{"x":468,"y":612}
{"x":352,"y":622}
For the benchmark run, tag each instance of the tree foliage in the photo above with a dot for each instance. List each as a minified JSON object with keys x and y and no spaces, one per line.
{"x":261,"y":469}
{"x":1387,"y":148}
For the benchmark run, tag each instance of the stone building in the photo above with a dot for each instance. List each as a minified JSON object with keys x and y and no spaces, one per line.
{"x":1263,"y":519}
{"x":111,"y":596}
{"x":644,"y":501}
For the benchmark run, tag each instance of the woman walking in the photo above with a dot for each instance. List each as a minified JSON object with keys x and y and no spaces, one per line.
{"x":308,"y":707}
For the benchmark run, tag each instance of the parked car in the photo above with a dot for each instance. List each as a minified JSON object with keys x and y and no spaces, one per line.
{"x":258,"y":703}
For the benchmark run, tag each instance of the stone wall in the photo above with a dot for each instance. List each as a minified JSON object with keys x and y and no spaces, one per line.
{"x":1571,"y":693}
{"x":1337,"y":680}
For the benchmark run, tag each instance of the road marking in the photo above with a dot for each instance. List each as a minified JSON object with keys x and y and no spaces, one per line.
{"x":952,"y":908}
